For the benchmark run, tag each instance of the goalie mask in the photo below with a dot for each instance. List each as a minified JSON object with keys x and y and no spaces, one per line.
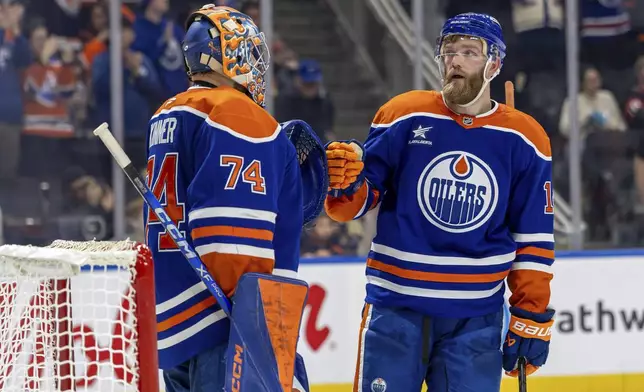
{"x":226,"y":41}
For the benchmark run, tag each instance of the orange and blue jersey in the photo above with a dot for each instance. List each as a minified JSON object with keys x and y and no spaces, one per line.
{"x":226,"y":174}
{"x":465,"y":202}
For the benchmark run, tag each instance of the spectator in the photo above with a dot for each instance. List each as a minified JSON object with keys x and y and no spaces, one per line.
{"x":98,"y":22}
{"x":158,"y":38}
{"x":308,"y":102}
{"x":49,"y":82}
{"x":598,"y":109}
{"x":94,"y":202}
{"x":328,"y":238}
{"x":14,"y":57}
{"x":635,"y":102}
{"x":540,"y":38}
{"x":62,"y":17}
{"x":606,"y":25}
{"x":95,"y":37}
{"x":141,"y":86}
{"x":134,"y":219}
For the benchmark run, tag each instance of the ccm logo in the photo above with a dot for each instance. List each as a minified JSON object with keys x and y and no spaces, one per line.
{"x":174,"y":232}
{"x":237,"y":368}
{"x":531,"y":331}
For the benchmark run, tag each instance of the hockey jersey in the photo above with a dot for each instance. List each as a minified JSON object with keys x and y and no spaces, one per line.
{"x":230,"y":180}
{"x":601,"y":19}
{"x":464,"y":203}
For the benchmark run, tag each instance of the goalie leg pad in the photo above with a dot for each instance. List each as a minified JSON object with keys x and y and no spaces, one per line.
{"x":261,"y":354}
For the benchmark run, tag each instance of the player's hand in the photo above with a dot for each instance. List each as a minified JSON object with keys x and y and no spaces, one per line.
{"x":529,"y":337}
{"x":345,"y":159}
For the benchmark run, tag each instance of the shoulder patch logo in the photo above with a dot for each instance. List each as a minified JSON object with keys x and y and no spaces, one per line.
{"x":420,"y":136}
{"x":457,"y":192}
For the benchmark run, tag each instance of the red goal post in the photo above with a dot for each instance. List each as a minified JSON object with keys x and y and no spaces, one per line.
{"x":78,"y":316}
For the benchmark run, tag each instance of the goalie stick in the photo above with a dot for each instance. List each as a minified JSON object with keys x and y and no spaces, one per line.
{"x":523,"y":382}
{"x":268,"y":380}
{"x":103,"y":132}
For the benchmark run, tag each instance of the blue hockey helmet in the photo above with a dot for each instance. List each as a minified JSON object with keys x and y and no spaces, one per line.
{"x":226,"y":41}
{"x":471,"y":24}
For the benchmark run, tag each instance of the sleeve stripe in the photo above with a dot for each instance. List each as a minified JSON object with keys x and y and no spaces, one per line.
{"x":236,"y":249}
{"x":527,"y":265}
{"x":231,"y":231}
{"x":533,"y":237}
{"x":186,"y":314}
{"x":534,"y":251}
{"x":181,"y":298}
{"x":232,"y":212}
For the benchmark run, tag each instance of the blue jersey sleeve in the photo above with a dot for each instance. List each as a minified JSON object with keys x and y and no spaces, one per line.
{"x":531,"y":221}
{"x":288,"y":225}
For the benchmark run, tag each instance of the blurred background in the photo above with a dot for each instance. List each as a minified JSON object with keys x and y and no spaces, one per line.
{"x":68,"y":65}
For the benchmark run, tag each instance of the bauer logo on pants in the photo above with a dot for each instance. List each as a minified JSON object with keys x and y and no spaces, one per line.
{"x":457,"y":192}
{"x":378,"y":385}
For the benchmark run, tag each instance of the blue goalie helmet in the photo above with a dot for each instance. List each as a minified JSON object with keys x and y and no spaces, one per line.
{"x":226,"y":41}
{"x":471,"y":24}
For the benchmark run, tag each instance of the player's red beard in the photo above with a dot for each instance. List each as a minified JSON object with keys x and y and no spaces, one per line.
{"x":461,"y":91}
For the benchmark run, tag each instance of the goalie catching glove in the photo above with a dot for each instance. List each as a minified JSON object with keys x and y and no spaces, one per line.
{"x":529,"y":337}
{"x":346,"y":164}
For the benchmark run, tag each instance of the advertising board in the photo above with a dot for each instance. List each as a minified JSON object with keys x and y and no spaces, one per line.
{"x":597,"y":342}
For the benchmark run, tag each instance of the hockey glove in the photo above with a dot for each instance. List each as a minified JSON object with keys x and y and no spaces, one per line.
{"x":529,"y":337}
{"x":346,"y":161}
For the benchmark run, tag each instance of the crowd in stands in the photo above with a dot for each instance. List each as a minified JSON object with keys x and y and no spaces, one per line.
{"x":611,"y":97}
{"x":55,"y":59}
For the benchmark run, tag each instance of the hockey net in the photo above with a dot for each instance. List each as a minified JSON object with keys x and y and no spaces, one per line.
{"x":77,"y":316}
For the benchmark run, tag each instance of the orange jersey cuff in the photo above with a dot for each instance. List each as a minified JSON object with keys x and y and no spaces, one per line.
{"x":345,"y":208}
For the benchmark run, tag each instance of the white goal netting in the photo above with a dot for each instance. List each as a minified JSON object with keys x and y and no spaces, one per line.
{"x":70,"y":316}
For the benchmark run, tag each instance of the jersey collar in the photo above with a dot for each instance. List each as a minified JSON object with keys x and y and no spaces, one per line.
{"x":467,"y":120}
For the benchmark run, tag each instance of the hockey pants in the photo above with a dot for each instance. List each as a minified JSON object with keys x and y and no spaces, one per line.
{"x":399,"y":349}
{"x":206,"y":371}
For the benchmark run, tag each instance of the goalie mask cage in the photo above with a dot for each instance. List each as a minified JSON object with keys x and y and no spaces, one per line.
{"x":77,"y":316}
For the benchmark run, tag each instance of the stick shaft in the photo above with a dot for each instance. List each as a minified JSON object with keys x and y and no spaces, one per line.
{"x":153,"y":203}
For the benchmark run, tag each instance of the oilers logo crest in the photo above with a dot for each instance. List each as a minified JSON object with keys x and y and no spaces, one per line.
{"x":457,"y":192}
{"x":378,"y":385}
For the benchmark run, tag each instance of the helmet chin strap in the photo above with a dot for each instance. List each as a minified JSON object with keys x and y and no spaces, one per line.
{"x":486,"y":82}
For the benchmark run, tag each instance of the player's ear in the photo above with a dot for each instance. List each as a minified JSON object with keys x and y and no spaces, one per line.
{"x":494,"y":66}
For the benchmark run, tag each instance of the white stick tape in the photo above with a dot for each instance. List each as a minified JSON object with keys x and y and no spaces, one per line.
{"x":103,"y":132}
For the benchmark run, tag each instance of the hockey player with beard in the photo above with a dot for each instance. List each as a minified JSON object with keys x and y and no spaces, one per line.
{"x":465,"y":195}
